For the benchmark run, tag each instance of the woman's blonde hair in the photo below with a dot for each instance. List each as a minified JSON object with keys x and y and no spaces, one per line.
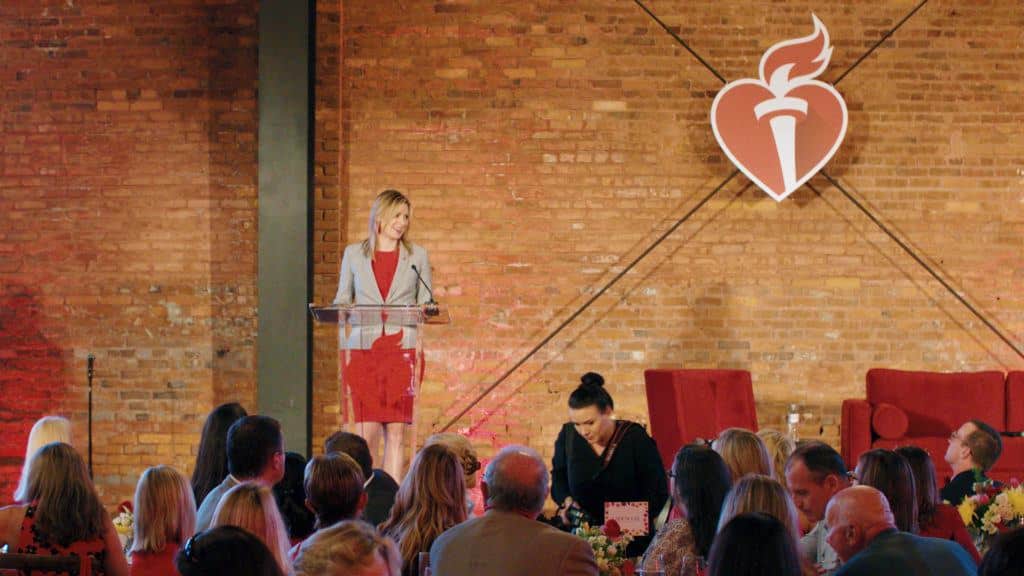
{"x":430,"y":500}
{"x":780,"y":446}
{"x":759,"y":493}
{"x":463,"y":448}
{"x":165,"y":510}
{"x":252,"y":507}
{"x":744,"y":453}
{"x":384,"y":207}
{"x":46,"y":430}
{"x":68,"y":509}
{"x":346,"y":548}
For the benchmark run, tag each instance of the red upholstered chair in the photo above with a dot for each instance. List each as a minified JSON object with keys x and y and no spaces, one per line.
{"x":688,"y":404}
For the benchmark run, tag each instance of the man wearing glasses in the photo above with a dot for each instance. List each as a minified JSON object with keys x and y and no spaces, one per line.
{"x":973,"y":450}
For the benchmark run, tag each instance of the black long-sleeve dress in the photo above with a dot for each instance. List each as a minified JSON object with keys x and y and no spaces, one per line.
{"x":634,"y":473}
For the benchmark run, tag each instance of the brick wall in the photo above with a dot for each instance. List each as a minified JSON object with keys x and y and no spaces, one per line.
{"x":546,"y":144}
{"x":127,"y":224}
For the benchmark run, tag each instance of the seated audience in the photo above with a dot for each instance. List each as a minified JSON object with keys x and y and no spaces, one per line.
{"x":973,"y":450}
{"x":463,"y":448}
{"x":47,"y":429}
{"x":62,"y":513}
{"x":291,"y":499}
{"x":226,"y":550}
{"x":780,"y":447}
{"x":756,"y":493}
{"x":754,"y":544}
{"x":165,"y":518}
{"x":334,"y":490}
{"x":507,"y":540}
{"x":863,"y":533}
{"x":380,"y":486}
{"x":430,"y":500}
{"x":890,"y":473}
{"x":255,"y":454}
{"x":212,"y":458}
{"x":934,"y":518}
{"x":814,"y":474}
{"x":744,"y":453}
{"x":351,"y":548}
{"x":699,"y":484}
{"x":251,"y":507}
{"x":1006,"y":556}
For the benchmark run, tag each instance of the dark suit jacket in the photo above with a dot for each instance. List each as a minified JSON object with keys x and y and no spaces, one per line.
{"x":904,"y":554}
{"x":507,"y":544}
{"x":380,"y":497}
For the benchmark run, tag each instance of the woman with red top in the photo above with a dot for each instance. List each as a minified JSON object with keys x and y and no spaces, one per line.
{"x":63,"y":516}
{"x":936,"y":519}
{"x":165,"y":518}
{"x":381,"y":359}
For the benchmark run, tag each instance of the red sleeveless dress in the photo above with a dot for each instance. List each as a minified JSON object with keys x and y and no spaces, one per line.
{"x":31,"y":541}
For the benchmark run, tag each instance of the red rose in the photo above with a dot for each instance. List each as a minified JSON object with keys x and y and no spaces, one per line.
{"x":612,"y":530}
{"x":983,"y":499}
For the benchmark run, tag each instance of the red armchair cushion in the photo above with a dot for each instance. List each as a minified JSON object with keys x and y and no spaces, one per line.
{"x":1015,"y":402}
{"x":889,"y":421}
{"x":936,"y":403}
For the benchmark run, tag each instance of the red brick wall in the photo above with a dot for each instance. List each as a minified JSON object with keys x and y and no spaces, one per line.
{"x":545,"y":144}
{"x":127,"y":224}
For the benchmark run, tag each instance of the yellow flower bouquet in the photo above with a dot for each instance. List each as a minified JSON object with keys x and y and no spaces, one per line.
{"x":609,"y":544}
{"x":992,"y":510}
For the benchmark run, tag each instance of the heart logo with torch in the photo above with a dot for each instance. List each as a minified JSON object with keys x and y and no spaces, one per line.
{"x":781,"y":129}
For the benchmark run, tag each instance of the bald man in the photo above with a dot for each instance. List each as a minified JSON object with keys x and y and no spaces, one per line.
{"x":508,"y":540}
{"x":864,"y":535}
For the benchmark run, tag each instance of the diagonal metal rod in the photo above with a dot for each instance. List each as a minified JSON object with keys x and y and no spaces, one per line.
{"x":592,"y":299}
{"x":880,"y":41}
{"x":920,"y":261}
{"x":681,"y":42}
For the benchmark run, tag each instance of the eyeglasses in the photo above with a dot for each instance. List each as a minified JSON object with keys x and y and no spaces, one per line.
{"x":954,"y":436}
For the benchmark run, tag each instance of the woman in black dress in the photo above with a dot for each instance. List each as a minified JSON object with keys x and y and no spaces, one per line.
{"x":600,"y":459}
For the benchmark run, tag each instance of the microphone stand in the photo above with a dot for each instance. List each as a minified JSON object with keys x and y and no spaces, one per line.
{"x":90,"y":372}
{"x":431,"y":308}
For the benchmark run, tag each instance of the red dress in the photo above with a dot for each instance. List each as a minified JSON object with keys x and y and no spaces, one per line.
{"x":31,"y":541}
{"x":379,"y":379}
{"x":947,"y":525}
{"x":155,"y":563}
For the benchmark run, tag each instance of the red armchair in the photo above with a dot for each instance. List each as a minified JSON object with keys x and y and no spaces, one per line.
{"x":923,"y":408}
{"x":688,"y":404}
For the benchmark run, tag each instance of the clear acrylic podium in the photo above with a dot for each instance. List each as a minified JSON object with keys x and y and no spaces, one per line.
{"x":379,"y":342}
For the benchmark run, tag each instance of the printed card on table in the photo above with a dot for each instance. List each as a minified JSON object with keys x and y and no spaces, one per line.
{"x":631,"y":516}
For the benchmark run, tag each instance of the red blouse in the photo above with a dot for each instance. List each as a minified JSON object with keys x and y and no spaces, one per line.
{"x":155,"y":563}
{"x":384,"y":266}
{"x":948,"y":525}
{"x":32,"y":541}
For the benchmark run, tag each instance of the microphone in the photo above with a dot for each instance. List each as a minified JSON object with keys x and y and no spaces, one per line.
{"x":90,"y":372}
{"x":431,"y":308}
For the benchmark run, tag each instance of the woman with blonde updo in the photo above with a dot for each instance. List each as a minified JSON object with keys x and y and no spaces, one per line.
{"x":430,"y":500}
{"x":47,"y":429}
{"x":252,"y":507}
{"x":165,"y":518}
{"x":744,"y":453}
{"x":349,"y":547}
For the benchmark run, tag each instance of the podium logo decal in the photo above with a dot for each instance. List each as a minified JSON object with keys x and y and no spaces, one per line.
{"x":782,"y":128}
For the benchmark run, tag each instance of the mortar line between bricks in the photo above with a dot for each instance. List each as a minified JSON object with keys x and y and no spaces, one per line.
{"x":880,"y":42}
{"x":682,"y":42}
{"x":919,"y":260}
{"x":657,"y":242}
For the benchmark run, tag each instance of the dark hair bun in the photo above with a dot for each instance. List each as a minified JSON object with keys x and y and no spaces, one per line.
{"x":592,"y":379}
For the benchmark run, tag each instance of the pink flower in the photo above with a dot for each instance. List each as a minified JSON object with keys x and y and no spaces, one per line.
{"x":612,"y":530}
{"x":982,"y":499}
{"x":1014,"y":482}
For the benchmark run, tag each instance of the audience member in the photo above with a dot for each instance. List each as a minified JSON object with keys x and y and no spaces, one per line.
{"x":291,"y":499}
{"x":973,"y":450}
{"x":463,"y":448}
{"x":62,"y":513}
{"x":863,"y":533}
{"x":430,"y":500}
{"x":744,"y":453}
{"x":814,"y":474}
{"x":351,"y":548}
{"x":226,"y":550}
{"x":890,"y":473}
{"x":47,"y":429}
{"x":255,"y":450}
{"x":334,"y":490}
{"x":165,"y":518}
{"x":600,"y":459}
{"x":780,"y":447}
{"x":507,"y":540}
{"x":757,"y":493}
{"x":700,"y":483}
{"x":754,"y":544}
{"x":251,"y":507}
{"x":212,"y":458}
{"x":935,"y":519}
{"x":1006,"y":555}
{"x":380,"y":487}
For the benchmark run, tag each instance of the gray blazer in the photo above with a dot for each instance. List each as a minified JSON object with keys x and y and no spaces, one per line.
{"x":507,"y":544}
{"x":357,"y":285}
{"x":204,"y":517}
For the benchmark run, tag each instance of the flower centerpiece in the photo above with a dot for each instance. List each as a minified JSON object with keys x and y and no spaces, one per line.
{"x":992,"y":509}
{"x":124,"y":524}
{"x":609,"y":544}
